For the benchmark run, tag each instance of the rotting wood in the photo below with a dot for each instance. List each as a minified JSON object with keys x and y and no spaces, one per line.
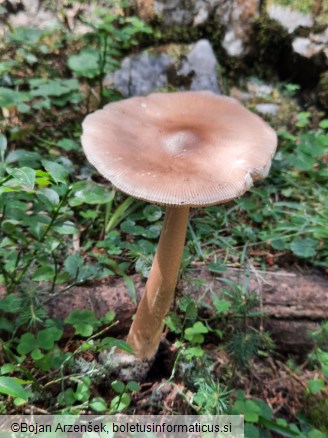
{"x":294,"y":303}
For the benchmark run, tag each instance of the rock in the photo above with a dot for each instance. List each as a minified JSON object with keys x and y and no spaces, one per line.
{"x":124,"y":366}
{"x":259,"y":89}
{"x":37,"y":14}
{"x":202,"y":65}
{"x":32,"y":14}
{"x":289,"y":18}
{"x":233,"y":16}
{"x":191,"y":67}
{"x":270,"y":109}
{"x":313,"y":45}
{"x":141,"y":74}
{"x":232,"y":44}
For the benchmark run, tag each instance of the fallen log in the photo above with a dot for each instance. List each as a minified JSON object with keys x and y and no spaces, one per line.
{"x":293,"y":303}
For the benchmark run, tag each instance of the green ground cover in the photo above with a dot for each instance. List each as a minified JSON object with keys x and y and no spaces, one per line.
{"x":62,"y":225}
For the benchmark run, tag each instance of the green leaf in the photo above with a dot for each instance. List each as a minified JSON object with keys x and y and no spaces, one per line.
{"x":109,"y":317}
{"x":316,"y":385}
{"x":9,"y":386}
{"x":68,"y":144}
{"x":73,"y":264}
{"x":26,"y":35}
{"x":221,"y":306}
{"x":27,"y":343}
{"x":86,"y":316}
{"x":9,"y":97}
{"x":24,"y":158}
{"x":119,"y":343}
{"x":301,"y":161}
{"x":216,"y":268}
{"x":98,"y":404}
{"x":10,"y":304}
{"x":251,"y":431}
{"x":304,"y":248}
{"x":249,"y":409}
{"x":312,"y":145}
{"x":266,"y":411}
{"x":46,"y":338}
{"x":133,"y":386}
{"x":8,"y":368}
{"x":119,"y":403}
{"x":53,"y":87}
{"x":278,"y":244}
{"x":3,"y":143}
{"x":24,"y":176}
{"x":52,"y":359}
{"x":82,"y":392}
{"x":192,"y":352}
{"x":49,"y":196}
{"x":66,"y":398}
{"x":152,"y":213}
{"x":199,"y":327}
{"x":118,"y":386}
{"x":85,"y":64}
{"x":194,"y":333}
{"x":65,"y":227}
{"x":129,"y":227}
{"x":44,"y":273}
{"x":23,"y":108}
{"x":36,"y":354}
{"x":84,"y":322}
{"x":88,"y":192}
{"x":324,"y":124}
{"x":130,"y":286}
{"x":174,"y":323}
{"x":57,"y":171}
{"x":84,"y":330}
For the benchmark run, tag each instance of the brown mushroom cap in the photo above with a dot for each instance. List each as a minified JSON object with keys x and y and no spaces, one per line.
{"x":185,"y":148}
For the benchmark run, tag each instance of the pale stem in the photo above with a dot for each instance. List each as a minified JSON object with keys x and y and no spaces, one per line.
{"x":147,"y":327}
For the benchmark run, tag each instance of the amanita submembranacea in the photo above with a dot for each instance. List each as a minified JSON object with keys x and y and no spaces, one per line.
{"x":181,"y":150}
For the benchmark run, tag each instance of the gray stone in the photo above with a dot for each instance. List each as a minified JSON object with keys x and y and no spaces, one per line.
{"x":312,"y":45}
{"x":34,"y":13}
{"x":232,"y":44}
{"x":233,"y":17}
{"x":267,"y":108}
{"x":202,"y":64}
{"x":258,"y":89}
{"x":141,"y":74}
{"x":289,"y":18}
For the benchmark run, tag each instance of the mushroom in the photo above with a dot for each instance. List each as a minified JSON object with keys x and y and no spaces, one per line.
{"x":181,"y":150}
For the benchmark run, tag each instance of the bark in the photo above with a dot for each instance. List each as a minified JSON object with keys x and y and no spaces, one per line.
{"x":294,"y":303}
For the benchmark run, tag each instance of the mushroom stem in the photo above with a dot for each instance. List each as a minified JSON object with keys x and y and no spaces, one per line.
{"x":147,"y":327}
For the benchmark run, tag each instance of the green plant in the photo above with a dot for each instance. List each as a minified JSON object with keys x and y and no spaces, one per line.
{"x":110,"y":36}
{"x":260,"y":421}
{"x":122,"y":400}
{"x":39,"y":352}
{"x":211,"y":398}
{"x":61,"y":225}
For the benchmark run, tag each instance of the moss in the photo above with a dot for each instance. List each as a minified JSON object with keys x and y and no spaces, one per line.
{"x":315,"y":409}
{"x":271,"y":48}
{"x":318,"y":8}
{"x":304,"y":6}
{"x":322,"y":91}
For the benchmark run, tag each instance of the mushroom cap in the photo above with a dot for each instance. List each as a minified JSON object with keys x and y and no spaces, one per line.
{"x":184,"y":148}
